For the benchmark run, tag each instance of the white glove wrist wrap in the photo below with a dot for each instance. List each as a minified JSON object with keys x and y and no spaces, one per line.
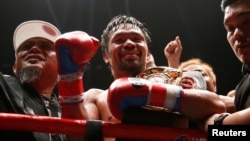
{"x":71,"y":77}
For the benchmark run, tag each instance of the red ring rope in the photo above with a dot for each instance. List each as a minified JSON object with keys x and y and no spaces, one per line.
{"x":78,"y":127}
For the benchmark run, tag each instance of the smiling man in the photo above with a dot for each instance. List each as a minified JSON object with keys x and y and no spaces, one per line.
{"x":35,"y":68}
{"x":125,"y":47}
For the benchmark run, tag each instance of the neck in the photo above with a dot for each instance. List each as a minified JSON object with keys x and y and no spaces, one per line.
{"x":45,"y":86}
{"x":123,"y":74}
{"x":43,"y":89}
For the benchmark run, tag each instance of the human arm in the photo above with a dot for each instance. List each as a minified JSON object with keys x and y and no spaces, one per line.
{"x":192,"y":103}
{"x":91,"y":103}
{"x":74,"y":51}
{"x":238,"y":118}
{"x":231,"y":93}
{"x":229,"y":103}
{"x":198,"y":104}
{"x":172,"y":52}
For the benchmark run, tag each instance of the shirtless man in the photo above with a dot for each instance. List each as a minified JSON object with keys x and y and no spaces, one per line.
{"x":125,"y":45}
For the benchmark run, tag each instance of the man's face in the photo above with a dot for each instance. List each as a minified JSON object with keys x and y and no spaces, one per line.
{"x":237,"y":24}
{"x":35,"y":57}
{"x":127,"y":50}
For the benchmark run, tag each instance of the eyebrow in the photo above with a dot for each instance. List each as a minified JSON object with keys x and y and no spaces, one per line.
{"x":241,"y":14}
{"x":132,"y":33}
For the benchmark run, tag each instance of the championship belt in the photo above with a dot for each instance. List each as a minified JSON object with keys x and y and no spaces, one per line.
{"x":161,"y":74}
{"x":168,"y":75}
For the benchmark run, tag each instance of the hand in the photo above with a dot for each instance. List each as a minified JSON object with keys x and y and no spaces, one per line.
{"x":74,"y":50}
{"x":172,"y":52}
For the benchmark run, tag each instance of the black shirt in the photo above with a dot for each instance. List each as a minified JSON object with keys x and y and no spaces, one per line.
{"x":15,"y":98}
{"x":242,"y":95}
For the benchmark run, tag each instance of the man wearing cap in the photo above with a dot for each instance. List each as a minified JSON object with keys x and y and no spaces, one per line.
{"x":35,"y":68}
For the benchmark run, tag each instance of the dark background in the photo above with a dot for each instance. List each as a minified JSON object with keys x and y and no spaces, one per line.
{"x":197,"y":22}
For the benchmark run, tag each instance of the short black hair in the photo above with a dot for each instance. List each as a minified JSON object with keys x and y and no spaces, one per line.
{"x":123,"y":19}
{"x":225,"y":3}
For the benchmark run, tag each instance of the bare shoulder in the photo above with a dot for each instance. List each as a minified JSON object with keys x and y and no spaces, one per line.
{"x":231,"y":93}
{"x":94,"y":91}
{"x":92,"y":94}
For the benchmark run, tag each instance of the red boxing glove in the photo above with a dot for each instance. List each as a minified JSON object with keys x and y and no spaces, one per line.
{"x":74,"y":51}
{"x":129,"y":92}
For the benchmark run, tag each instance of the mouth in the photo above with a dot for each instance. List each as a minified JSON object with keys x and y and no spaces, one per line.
{"x":34,"y":58}
{"x":130,"y":53}
{"x":240,"y":45}
{"x":242,"y":50}
{"x":130,"y":56}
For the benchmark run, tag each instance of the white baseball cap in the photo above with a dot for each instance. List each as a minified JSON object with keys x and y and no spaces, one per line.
{"x":34,"y":28}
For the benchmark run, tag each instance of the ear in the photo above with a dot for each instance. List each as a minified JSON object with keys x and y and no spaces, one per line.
{"x":14,"y":68}
{"x":105,"y":58}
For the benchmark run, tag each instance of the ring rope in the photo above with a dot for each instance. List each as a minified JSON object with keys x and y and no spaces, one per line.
{"x":21,"y":122}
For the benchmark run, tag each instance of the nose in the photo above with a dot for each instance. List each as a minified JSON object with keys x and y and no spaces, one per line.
{"x":239,"y":34}
{"x":129,"y":44}
{"x":35,"y":49}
